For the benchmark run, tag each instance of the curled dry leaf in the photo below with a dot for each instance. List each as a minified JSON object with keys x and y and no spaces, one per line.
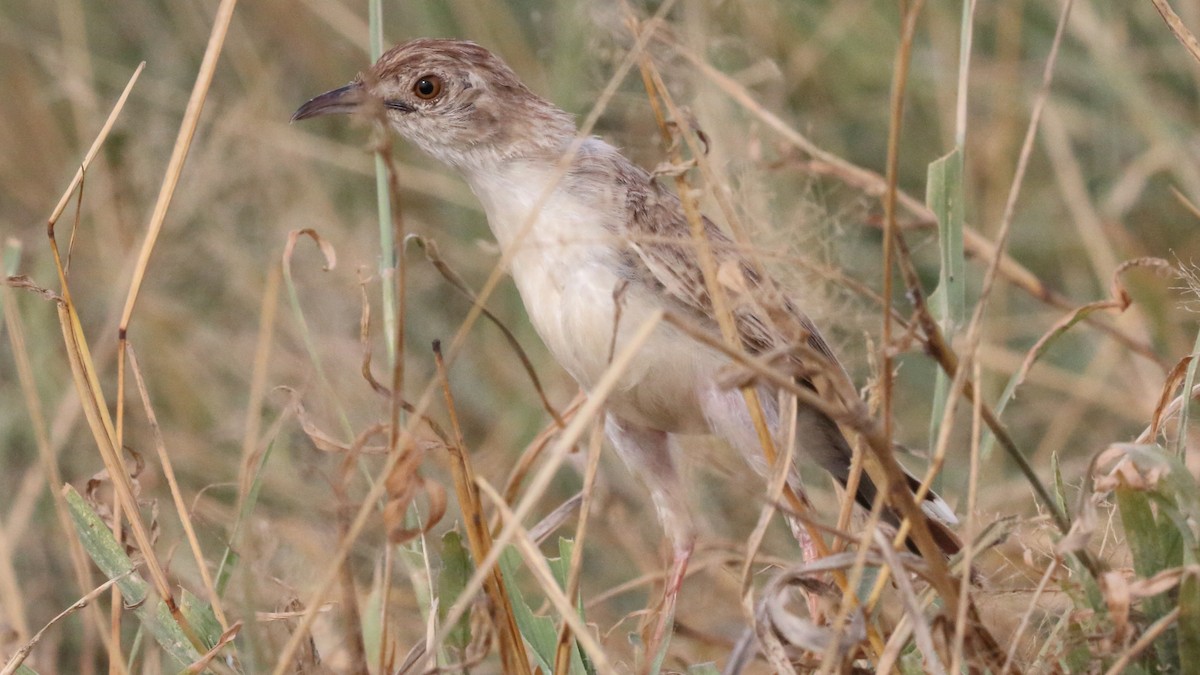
{"x":1125,"y":471}
{"x":1119,"y":300}
{"x":1118,"y":599}
{"x":403,"y":485}
{"x":26,"y":284}
{"x":1165,"y":399}
{"x":101,"y":502}
{"x":803,"y":632}
{"x":429,"y":247}
{"x":326,"y":443}
{"x":396,"y":510}
{"x":327,"y":249}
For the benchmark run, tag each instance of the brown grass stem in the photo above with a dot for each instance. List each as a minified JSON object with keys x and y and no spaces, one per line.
{"x":181,"y":509}
{"x":183,"y":143}
{"x":479,"y":537}
{"x":562,"y":653}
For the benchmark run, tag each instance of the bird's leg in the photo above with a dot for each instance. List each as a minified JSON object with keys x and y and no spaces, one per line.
{"x":731,"y":421}
{"x":647,"y":453}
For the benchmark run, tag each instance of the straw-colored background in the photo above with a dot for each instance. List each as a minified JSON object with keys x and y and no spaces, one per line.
{"x":1117,"y":137}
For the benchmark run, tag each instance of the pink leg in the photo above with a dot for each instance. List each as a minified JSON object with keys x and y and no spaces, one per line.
{"x":729,"y":418}
{"x":647,"y":453}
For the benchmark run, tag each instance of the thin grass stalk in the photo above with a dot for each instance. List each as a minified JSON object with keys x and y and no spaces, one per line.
{"x":179,"y":152}
{"x":555,"y":457}
{"x":183,"y":142}
{"x":975,"y":327}
{"x":33,"y":403}
{"x":168,"y":469}
{"x":1178,"y":28}
{"x":968,"y":552}
{"x":306,"y":334}
{"x":479,"y":537}
{"x":13,"y":664}
{"x":913,"y":611}
{"x":267,"y":312}
{"x":1147,"y":639}
{"x":536,"y":562}
{"x":895,"y":123}
{"x":92,"y":398}
{"x":383,"y":200}
{"x":562,"y":654}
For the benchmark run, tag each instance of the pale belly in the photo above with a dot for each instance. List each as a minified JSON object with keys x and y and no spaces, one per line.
{"x":570,"y":300}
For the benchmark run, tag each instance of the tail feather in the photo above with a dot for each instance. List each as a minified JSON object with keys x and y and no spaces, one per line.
{"x":823,"y":440}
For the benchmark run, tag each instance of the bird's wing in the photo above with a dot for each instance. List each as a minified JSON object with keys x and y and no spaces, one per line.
{"x":659,"y":237}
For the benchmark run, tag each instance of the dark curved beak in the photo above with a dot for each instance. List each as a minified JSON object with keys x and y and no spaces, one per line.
{"x":346,"y":99}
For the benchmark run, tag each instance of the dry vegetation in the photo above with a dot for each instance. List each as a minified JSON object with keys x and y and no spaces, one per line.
{"x":259,"y":453}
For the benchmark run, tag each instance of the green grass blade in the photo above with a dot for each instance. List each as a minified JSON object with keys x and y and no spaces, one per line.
{"x":561,"y":568}
{"x":944,"y":196}
{"x":229,"y":558}
{"x":456,"y":570}
{"x":538,"y":631}
{"x":110,"y":557}
{"x":1189,"y":618}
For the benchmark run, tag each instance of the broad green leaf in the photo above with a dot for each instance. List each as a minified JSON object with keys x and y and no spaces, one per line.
{"x":944,"y":196}
{"x":538,"y":631}
{"x":201,"y":618}
{"x":456,"y":570}
{"x":110,"y":557}
{"x":1189,"y":619}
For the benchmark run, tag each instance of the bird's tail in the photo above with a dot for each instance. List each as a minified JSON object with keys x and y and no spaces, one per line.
{"x":823,"y":440}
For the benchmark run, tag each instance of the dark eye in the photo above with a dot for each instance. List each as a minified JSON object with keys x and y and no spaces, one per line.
{"x":428,"y":87}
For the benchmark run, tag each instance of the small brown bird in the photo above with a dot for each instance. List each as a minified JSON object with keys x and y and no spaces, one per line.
{"x":608,"y":249}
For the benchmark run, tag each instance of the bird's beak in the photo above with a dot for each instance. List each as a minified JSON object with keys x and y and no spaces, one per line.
{"x":346,"y":99}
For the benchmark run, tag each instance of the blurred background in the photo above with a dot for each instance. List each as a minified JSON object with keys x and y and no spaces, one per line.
{"x":1116,"y":162}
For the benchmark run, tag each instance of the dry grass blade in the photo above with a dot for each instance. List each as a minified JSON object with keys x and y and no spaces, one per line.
{"x":895,"y":124}
{"x":226,"y":639}
{"x":1178,"y":28}
{"x":1119,"y":300}
{"x":562,"y":655}
{"x":479,"y":537}
{"x":536,"y":563}
{"x":15,"y":325}
{"x":168,"y":469}
{"x":1153,"y":632}
{"x":435,"y":258}
{"x":187,"y":128}
{"x":19,"y":656}
{"x":913,"y":614}
{"x":96,"y":412}
{"x":96,"y":144}
{"x":537,"y":486}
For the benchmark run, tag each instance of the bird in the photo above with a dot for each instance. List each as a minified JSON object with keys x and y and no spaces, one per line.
{"x":607,"y":249}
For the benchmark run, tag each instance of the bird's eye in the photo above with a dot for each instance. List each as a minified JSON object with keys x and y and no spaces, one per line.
{"x":428,"y":87}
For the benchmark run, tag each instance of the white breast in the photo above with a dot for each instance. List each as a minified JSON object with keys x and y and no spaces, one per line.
{"x":566,"y":269}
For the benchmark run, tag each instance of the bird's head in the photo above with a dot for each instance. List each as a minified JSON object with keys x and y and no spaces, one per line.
{"x":455,"y":100}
